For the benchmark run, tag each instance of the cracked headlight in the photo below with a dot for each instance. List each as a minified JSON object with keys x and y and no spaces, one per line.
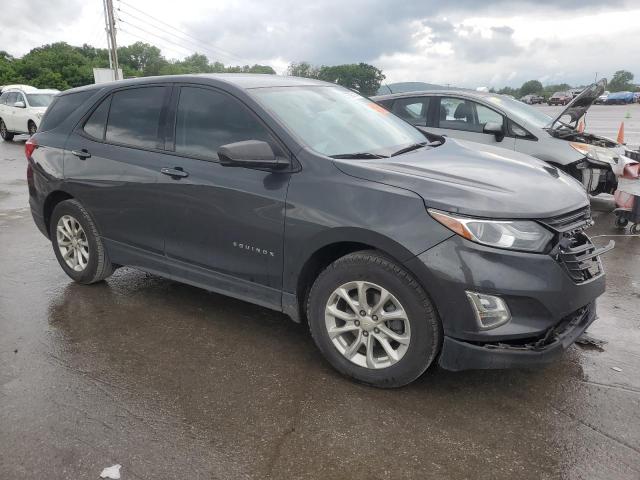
{"x":523,"y":235}
{"x":598,"y":155}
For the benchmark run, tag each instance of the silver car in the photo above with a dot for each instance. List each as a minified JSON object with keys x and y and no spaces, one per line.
{"x":503,"y":122}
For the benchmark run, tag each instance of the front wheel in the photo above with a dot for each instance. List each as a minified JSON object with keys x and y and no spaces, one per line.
{"x":372,"y":321}
{"x":32,"y":128}
{"x":621,"y":222}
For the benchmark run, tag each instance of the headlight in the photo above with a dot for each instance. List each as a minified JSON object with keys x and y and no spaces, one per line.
{"x":523,"y":235}
{"x":601,"y":155}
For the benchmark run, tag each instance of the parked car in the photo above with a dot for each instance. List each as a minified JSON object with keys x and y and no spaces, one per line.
{"x":21,"y":108}
{"x":532,"y":99}
{"x":304,"y":197}
{"x":602,"y":98}
{"x":495,"y":120}
{"x":620,"y":98}
{"x":560,"y":98}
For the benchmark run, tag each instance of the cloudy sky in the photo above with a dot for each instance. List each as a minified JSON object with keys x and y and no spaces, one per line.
{"x":466,"y":43}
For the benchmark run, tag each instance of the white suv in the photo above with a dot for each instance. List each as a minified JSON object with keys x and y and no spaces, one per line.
{"x":21,"y":109}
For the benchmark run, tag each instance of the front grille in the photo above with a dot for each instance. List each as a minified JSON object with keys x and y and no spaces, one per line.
{"x":579,"y":257}
{"x":569,"y":222}
{"x":574,"y":251}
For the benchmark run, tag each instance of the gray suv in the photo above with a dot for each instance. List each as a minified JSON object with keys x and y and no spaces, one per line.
{"x":306,"y":198}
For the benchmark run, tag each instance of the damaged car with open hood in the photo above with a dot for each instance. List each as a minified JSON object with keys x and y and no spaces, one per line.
{"x":493,"y":119}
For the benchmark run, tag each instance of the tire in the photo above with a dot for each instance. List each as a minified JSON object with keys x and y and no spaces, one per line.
{"x":621,"y":222}
{"x":635,"y":229}
{"x":68,"y":215}
{"x":6,"y":135}
{"x":420,"y":336}
{"x":31,"y":126}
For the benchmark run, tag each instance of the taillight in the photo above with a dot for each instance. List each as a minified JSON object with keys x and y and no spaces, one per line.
{"x":29,"y":147}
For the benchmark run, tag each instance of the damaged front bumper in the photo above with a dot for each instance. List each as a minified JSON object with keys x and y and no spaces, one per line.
{"x":522,"y":353}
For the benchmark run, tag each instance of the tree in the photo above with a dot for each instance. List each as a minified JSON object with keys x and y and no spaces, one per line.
{"x":621,"y":81}
{"x":532,"y":86}
{"x":303,"y":69}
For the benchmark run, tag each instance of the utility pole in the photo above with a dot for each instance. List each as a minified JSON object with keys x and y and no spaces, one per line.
{"x":111,"y":37}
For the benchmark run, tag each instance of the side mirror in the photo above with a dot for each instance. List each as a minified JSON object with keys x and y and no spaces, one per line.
{"x":496,"y":129}
{"x":20,"y":104}
{"x":250,"y":154}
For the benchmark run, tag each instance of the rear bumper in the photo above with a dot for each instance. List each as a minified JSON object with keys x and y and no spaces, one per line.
{"x":38,"y":218}
{"x":461,"y":355}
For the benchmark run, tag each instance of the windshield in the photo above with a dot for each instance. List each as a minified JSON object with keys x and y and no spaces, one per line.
{"x":523,"y":111}
{"x":335,"y":121}
{"x":40,"y":99}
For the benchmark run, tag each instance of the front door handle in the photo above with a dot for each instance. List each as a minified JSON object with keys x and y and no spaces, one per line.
{"x":81,"y":154}
{"x":175,"y":173}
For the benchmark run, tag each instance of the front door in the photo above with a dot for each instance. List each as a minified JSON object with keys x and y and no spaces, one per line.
{"x":225,"y":225}
{"x":465,"y":119}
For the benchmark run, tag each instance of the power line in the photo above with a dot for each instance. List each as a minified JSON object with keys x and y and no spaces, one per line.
{"x":208,"y":44}
{"x":166,"y":41}
{"x":168,"y":47}
{"x":187,"y":46}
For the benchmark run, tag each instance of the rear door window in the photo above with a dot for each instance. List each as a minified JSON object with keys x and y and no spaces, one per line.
{"x":61,"y":107}
{"x":413,"y":110}
{"x":207,"y":119}
{"x":95,"y":125}
{"x":134,"y":117}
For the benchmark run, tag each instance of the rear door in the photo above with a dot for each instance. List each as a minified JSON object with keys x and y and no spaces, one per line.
{"x":112,"y":163}
{"x":21,"y":115}
{"x":464,"y":119}
{"x":224,"y":224}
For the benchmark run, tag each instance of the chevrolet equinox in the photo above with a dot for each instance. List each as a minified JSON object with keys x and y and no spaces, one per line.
{"x":306,"y":198}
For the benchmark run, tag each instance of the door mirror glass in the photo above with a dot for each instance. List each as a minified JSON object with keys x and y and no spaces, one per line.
{"x":250,"y":154}
{"x":20,"y":104}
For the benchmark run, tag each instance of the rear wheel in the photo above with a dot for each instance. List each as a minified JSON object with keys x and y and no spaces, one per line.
{"x":621,"y":222}
{"x":32,"y":128}
{"x":373,"y":321}
{"x":4,"y":133}
{"x":77,"y":244}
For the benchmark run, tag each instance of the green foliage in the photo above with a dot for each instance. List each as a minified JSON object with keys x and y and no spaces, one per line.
{"x":531,"y":87}
{"x":622,"y":81}
{"x":62,"y":66}
{"x":362,"y":77}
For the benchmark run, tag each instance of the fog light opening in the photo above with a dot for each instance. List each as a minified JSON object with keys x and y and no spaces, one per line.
{"x":490,"y":311}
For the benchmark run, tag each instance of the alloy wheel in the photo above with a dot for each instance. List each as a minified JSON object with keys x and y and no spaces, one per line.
{"x":72,"y":243}
{"x":367,"y":324}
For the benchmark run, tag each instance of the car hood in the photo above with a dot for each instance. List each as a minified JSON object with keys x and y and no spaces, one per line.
{"x":475,"y":179}
{"x":579,"y":105}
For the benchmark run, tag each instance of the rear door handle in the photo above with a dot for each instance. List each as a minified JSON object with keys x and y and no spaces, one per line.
{"x":81,"y":154}
{"x":176,"y":172}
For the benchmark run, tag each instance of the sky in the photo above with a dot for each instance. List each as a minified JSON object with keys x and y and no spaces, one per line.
{"x":466,"y":43}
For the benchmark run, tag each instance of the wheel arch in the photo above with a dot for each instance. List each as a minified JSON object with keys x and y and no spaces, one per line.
{"x":328,"y":248}
{"x":53,"y":199}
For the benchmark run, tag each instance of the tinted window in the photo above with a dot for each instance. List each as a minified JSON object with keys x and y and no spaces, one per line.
{"x":134,"y":117}
{"x":207,"y":119}
{"x":62,"y":107}
{"x":94,"y":126}
{"x":413,"y":110}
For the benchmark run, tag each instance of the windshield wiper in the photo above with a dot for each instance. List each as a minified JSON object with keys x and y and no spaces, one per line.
{"x":358,"y":155}
{"x":409,"y":148}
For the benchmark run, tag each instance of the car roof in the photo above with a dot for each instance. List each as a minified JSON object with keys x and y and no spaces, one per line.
{"x":422,"y":93}
{"x":238,"y":80}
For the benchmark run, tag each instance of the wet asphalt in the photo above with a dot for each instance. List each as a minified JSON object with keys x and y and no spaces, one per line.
{"x":171,"y":381}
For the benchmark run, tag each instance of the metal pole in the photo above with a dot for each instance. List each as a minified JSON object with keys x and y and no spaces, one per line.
{"x":106,"y":29}
{"x":112,"y":35}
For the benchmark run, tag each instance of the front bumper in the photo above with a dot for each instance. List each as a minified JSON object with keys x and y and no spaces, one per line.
{"x":539,"y":290}
{"x":460,"y":355}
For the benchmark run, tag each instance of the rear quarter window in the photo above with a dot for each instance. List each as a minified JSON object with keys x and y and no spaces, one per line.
{"x":62,"y":107}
